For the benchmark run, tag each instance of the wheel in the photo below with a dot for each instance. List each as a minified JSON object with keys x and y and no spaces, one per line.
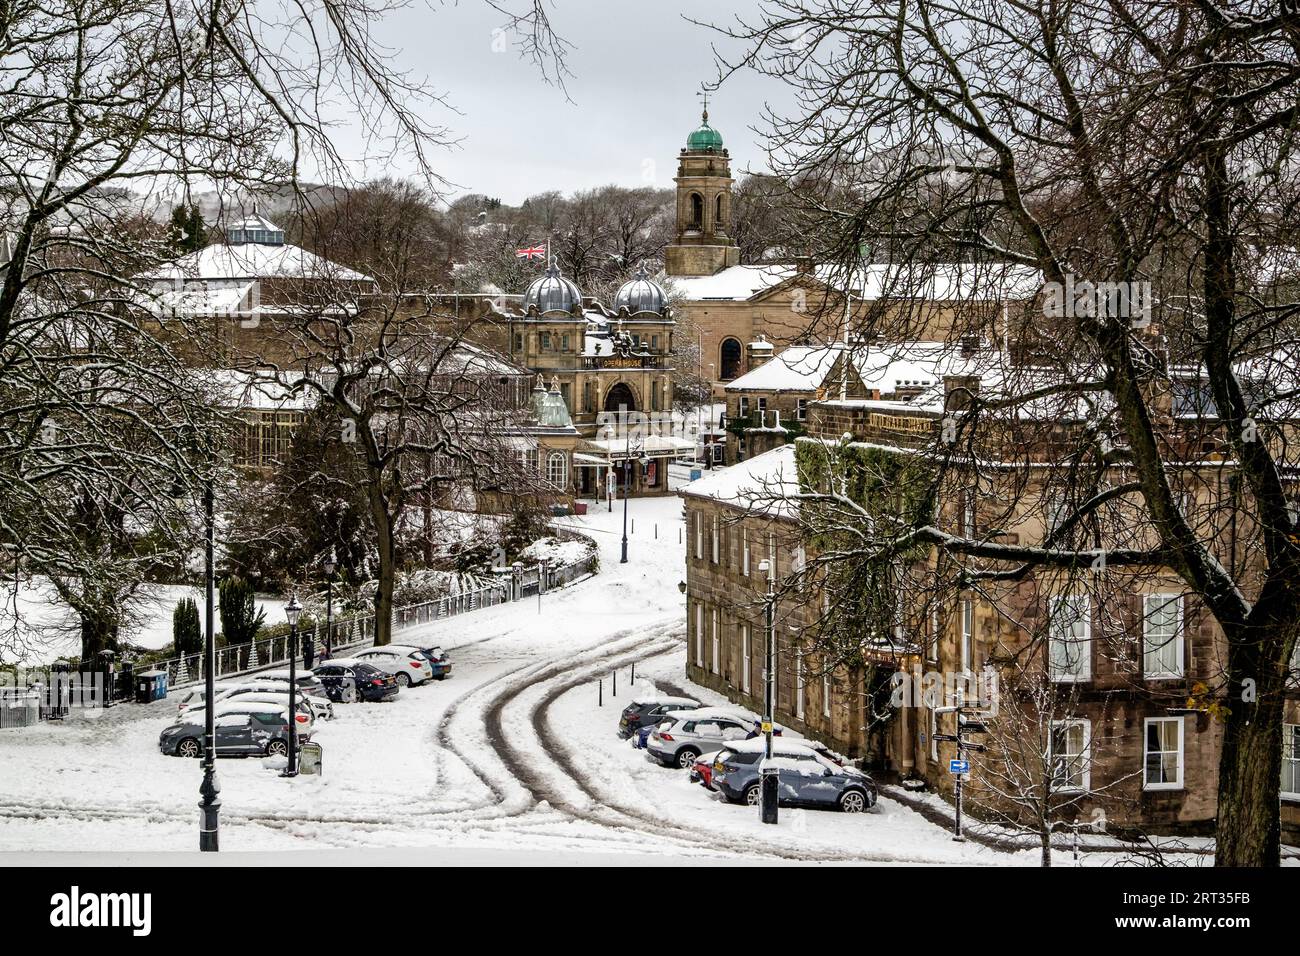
{"x":753,"y":795}
{"x":685,"y":757}
{"x":277,"y":748}
{"x":189,"y":747}
{"x":853,"y":801}
{"x":403,"y":680}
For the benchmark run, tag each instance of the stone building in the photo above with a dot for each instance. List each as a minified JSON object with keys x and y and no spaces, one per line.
{"x":1113,"y":672}
{"x":729,"y":304}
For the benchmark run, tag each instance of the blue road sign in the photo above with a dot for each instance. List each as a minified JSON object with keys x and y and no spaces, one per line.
{"x":959,"y":766}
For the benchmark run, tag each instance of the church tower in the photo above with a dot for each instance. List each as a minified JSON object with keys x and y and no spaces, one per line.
{"x":702,"y":246}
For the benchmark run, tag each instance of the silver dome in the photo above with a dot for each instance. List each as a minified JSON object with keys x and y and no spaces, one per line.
{"x":641,"y":294}
{"x":552,"y":293}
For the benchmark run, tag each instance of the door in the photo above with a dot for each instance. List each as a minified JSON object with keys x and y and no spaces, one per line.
{"x":234,"y":734}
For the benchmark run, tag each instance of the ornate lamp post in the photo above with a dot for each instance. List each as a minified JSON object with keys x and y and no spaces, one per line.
{"x":291,"y":612}
{"x":210,"y":789}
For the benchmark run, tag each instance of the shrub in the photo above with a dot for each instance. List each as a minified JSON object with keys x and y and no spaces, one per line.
{"x":240,"y":617}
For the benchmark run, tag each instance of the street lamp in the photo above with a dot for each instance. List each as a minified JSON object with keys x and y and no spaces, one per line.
{"x":209,"y":789}
{"x":291,"y":612}
{"x":769,"y":775}
{"x":330,"y":564}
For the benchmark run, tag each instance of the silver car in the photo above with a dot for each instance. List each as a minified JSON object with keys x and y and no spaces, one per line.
{"x":685,"y":734}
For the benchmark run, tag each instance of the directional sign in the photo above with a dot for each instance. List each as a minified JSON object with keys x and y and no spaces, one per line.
{"x":959,"y":766}
{"x":973,"y":727}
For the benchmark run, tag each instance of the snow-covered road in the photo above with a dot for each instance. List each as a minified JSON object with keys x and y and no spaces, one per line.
{"x":512,"y":755}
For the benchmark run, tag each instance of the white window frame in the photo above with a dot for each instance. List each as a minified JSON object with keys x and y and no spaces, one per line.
{"x":744,"y":544}
{"x":826,"y":692}
{"x":699,"y":535}
{"x":1084,"y":671}
{"x":743,"y":407}
{"x":801,"y":409}
{"x":717,"y":540}
{"x":1181,"y":751}
{"x":717,"y":644}
{"x":1084,"y":755}
{"x":1178,"y":639}
{"x":557,"y":476}
{"x":932,"y":650}
{"x":746,"y":657}
{"x":967,"y":635}
{"x":798,"y":685}
{"x":1291,"y":760}
{"x":968,"y":515}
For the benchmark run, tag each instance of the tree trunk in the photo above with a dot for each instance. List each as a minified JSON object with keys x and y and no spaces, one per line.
{"x":99,"y":634}
{"x":1250,"y":778}
{"x":386,"y":546}
{"x":1045,"y":838}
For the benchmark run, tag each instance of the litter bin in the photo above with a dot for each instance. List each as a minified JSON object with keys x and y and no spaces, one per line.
{"x":696,"y":474}
{"x":309,"y":757}
{"x":580,"y":507}
{"x":150,"y":686}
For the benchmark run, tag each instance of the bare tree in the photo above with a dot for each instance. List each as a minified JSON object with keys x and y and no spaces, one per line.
{"x":995,"y":133}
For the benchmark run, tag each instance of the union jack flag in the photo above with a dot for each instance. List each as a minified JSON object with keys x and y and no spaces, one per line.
{"x":535,"y":252}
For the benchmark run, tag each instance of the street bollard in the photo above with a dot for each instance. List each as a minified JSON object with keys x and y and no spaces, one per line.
{"x":600,"y":693}
{"x":613,"y":683}
{"x":634,"y":672}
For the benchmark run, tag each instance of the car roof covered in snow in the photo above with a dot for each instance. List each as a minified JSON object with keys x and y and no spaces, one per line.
{"x":704,"y":713}
{"x":653,"y":699}
{"x":789,"y":744}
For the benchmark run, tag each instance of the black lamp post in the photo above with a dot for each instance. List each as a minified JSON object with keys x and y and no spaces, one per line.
{"x":291,"y":611}
{"x":330,"y":564}
{"x":210,"y":789}
{"x":768,"y":779}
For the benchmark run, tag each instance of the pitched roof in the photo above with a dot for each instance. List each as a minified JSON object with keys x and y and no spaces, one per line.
{"x":222,"y":262}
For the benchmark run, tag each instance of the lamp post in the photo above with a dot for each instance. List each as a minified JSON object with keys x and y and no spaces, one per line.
{"x":291,"y":612}
{"x":769,"y":775}
{"x":210,"y":789}
{"x":331,"y":563}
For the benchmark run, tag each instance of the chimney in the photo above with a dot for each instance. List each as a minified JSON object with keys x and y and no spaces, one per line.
{"x":760,"y":352}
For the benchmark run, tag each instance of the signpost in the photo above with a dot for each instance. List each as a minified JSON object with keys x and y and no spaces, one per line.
{"x":960,"y":767}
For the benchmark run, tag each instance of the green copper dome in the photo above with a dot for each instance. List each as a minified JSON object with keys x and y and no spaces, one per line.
{"x":706,"y":137}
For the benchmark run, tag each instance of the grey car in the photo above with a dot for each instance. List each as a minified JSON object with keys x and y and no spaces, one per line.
{"x":804,"y":777}
{"x":644,"y":711}
{"x":685,"y":734}
{"x":238,"y":734}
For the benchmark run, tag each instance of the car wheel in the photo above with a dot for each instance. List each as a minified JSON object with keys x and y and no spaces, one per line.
{"x":189,"y":747}
{"x":403,"y":680}
{"x":685,"y":757}
{"x":753,"y":795}
{"x":853,"y":801}
{"x":276,"y":748}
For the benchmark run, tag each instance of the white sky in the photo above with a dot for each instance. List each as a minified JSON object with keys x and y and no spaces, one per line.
{"x":637,"y":68}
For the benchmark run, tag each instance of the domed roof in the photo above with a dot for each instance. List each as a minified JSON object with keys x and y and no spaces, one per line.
{"x":705,"y":137}
{"x":552,"y":293}
{"x":641,"y":294}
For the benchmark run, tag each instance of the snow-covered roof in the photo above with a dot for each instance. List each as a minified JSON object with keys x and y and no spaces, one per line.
{"x":763,"y":483}
{"x":198,"y":298}
{"x":242,"y":390}
{"x":653,"y":445}
{"x":223,"y":262}
{"x":799,"y":368}
{"x":941,"y":282}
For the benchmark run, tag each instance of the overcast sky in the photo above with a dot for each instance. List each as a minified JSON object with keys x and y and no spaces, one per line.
{"x":637,"y":68}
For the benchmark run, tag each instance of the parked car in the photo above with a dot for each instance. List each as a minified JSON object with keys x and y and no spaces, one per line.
{"x":345,"y":679}
{"x":239,"y":733}
{"x":307,"y":681}
{"x":804,"y":777}
{"x":438,"y":658}
{"x":258,"y":702}
{"x":408,"y":665}
{"x":685,"y":734}
{"x":319,"y":706}
{"x":701,"y":771}
{"x":648,"y":711}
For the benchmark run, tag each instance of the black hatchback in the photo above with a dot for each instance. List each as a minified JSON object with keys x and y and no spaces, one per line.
{"x":348,"y":680}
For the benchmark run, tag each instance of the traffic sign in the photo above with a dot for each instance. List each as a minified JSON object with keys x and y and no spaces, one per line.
{"x":959,"y":766}
{"x":766,"y":727}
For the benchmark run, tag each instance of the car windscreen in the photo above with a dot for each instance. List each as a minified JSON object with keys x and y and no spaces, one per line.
{"x":366,"y":670}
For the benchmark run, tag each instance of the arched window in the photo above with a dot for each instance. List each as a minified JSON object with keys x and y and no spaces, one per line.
{"x":557,"y":470}
{"x":697,"y":211}
{"x":719,"y":217}
{"x":730,"y":359}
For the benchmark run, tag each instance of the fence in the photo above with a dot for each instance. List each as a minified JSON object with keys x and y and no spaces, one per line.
{"x":359,"y":630}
